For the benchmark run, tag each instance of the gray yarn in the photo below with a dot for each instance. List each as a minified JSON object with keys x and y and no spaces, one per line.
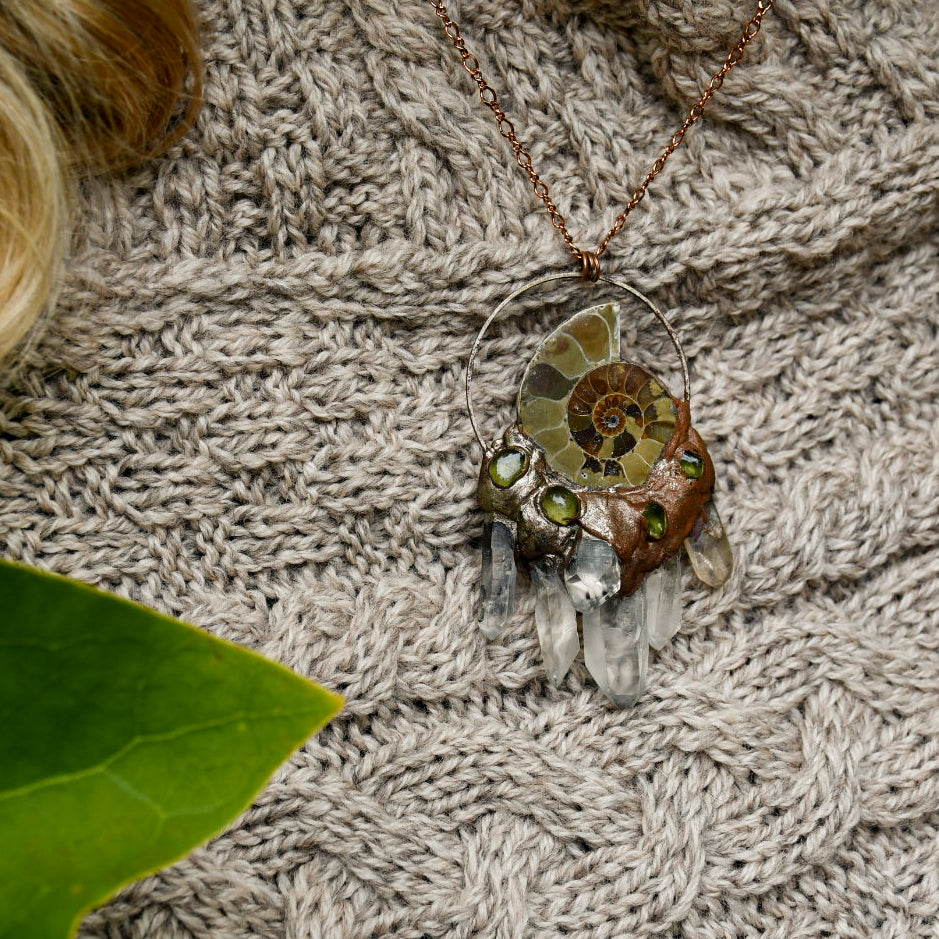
{"x":248,"y":414}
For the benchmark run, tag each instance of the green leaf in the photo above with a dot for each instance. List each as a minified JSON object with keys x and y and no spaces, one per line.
{"x":126,"y":739}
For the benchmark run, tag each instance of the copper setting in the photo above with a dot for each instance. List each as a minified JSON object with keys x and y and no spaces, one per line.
{"x":615,"y":515}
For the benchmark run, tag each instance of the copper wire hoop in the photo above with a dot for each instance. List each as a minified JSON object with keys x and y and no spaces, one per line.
{"x":551,"y":278}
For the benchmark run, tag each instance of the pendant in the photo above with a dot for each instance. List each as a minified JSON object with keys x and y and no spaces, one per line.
{"x":597,"y":487}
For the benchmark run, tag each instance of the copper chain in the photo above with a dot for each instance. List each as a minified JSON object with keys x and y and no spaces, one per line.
{"x":590,"y":260}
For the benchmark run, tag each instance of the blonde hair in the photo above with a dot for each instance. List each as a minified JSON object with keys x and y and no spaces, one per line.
{"x":86,"y":86}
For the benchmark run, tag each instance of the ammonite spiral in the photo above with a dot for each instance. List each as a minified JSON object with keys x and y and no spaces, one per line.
{"x":600,"y":421}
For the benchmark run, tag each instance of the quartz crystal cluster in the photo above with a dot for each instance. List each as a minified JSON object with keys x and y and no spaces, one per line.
{"x":585,"y":597}
{"x":600,"y":487}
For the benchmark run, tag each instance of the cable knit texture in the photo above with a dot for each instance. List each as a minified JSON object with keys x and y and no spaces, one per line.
{"x":247,"y":413}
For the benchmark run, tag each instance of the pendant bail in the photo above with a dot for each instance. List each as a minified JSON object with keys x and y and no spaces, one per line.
{"x":589,"y":266}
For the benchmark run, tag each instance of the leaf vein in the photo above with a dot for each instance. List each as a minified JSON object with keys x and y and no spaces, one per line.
{"x":137,"y":741}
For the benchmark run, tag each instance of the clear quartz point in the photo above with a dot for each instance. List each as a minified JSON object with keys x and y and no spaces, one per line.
{"x":709,"y":549}
{"x":593,"y":575}
{"x":497,"y":585}
{"x":616,"y":648}
{"x":662,"y":590}
{"x":556,"y":620}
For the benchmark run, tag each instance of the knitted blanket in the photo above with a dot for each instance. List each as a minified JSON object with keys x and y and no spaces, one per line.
{"x":247,"y":413}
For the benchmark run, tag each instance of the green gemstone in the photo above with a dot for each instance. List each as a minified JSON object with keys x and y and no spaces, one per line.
{"x":691,"y":464}
{"x":560,"y":505}
{"x":656,"y":520}
{"x":507,"y":467}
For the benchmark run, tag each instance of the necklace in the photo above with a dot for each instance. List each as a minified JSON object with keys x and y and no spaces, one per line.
{"x":602,"y":480}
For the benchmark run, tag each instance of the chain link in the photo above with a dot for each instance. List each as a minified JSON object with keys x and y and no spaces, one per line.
{"x":590,"y":260}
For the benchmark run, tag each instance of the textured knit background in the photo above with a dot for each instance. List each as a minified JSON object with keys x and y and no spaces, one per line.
{"x":248,"y":413}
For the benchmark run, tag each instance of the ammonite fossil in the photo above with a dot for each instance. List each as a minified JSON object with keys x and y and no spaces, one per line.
{"x":600,"y":421}
{"x":597,"y":486}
